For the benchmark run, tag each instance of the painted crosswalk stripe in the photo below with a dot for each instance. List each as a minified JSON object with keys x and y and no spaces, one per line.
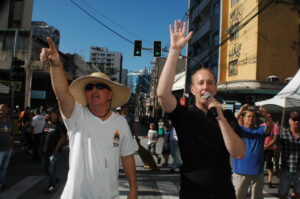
{"x":269,"y":196}
{"x":168,"y":190}
{"x":17,"y":190}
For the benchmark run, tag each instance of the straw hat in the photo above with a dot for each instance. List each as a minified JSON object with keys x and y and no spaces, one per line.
{"x":120,"y":92}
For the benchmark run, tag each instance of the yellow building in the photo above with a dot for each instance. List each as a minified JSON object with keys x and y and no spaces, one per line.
{"x":261,"y":40}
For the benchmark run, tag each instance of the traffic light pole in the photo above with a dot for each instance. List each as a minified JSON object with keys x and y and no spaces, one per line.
{"x":12,"y":83}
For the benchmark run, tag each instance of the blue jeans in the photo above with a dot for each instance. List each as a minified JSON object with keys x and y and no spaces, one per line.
{"x":49,"y":166}
{"x":286,"y":178}
{"x":4,"y":160}
{"x":175,"y":153}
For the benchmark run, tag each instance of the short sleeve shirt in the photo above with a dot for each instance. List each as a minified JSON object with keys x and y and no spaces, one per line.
{"x":5,"y":133}
{"x":95,"y":150}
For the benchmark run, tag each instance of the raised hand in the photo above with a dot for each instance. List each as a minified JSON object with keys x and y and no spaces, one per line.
{"x":178,"y":38}
{"x":50,"y":56}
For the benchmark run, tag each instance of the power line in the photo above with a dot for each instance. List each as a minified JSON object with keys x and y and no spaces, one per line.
{"x":238,"y":28}
{"x":98,"y":21}
{"x":112,"y":21}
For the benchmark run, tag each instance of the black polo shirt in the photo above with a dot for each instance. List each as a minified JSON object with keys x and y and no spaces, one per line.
{"x":206,"y":163}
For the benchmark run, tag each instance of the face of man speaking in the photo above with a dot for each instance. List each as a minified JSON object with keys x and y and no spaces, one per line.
{"x":203,"y":81}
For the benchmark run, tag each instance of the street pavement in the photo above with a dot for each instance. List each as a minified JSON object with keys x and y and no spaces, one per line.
{"x":26,"y":180}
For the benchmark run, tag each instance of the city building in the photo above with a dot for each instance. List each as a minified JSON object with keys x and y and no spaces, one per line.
{"x":204,"y":21}
{"x":139,"y":84}
{"x":124,"y":75}
{"x":15,"y":41}
{"x":107,"y":61}
{"x":153,"y":108}
{"x":260,"y":50}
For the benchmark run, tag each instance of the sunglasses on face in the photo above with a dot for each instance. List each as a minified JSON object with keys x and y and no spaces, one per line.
{"x":98,"y":86}
{"x":296,"y":119}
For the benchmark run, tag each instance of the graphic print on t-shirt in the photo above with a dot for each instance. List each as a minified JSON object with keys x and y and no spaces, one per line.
{"x":116,"y":139}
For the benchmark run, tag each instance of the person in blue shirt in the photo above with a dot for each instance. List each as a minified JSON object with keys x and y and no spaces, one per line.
{"x":249,"y":169}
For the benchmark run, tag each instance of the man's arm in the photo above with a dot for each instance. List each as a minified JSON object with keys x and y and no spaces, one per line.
{"x":234,"y":144}
{"x":242,"y":109}
{"x":269,"y":122}
{"x":273,"y":141}
{"x":50,"y":56}
{"x":164,"y":89}
{"x":129,"y":168}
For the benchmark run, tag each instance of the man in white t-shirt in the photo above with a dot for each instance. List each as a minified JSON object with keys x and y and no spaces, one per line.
{"x":98,"y":137}
{"x":37,"y":123}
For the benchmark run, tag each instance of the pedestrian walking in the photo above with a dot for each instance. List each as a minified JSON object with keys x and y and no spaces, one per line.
{"x":52,"y":141}
{"x":6,"y":144}
{"x":160,"y":125}
{"x":269,"y":151}
{"x":175,"y":152}
{"x":249,"y":170}
{"x":152,"y":140}
{"x":289,"y":142}
{"x":166,"y":148}
{"x":98,"y":137}
{"x":205,"y":140}
{"x":37,"y":123}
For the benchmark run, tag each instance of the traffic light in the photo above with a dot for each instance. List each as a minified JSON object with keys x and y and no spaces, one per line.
{"x":157,"y":49}
{"x":137,"y":48}
{"x":17,"y":71}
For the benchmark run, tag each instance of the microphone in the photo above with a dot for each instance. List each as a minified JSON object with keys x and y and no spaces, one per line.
{"x":213,"y":110}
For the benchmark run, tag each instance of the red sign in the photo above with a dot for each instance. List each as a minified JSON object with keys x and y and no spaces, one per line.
{"x":182,"y":101}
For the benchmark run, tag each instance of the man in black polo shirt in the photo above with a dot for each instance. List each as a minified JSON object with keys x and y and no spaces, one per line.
{"x":206,"y":138}
{"x":53,"y":138}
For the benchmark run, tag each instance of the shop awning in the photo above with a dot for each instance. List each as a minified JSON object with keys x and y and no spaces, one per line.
{"x":4,"y":88}
{"x":179,"y":81}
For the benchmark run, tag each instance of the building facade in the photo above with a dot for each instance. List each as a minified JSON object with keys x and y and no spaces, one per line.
{"x":261,"y":48}
{"x":107,"y":61}
{"x":204,"y":21}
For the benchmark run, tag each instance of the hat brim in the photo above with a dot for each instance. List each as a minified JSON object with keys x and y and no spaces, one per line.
{"x":120,"y":93}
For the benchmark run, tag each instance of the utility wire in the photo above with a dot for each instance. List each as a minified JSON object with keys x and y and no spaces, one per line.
{"x":98,"y":21}
{"x":200,"y":62}
{"x":112,"y":21}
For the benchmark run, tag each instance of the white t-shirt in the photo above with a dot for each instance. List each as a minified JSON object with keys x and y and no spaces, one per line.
{"x":95,"y":150}
{"x":38,"y":122}
{"x":152,"y":135}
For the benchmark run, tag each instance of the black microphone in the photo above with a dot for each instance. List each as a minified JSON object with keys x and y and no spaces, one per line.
{"x":213,"y":110}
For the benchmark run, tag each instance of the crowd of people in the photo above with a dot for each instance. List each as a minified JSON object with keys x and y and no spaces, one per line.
{"x":42,"y":134}
{"x":202,"y":138}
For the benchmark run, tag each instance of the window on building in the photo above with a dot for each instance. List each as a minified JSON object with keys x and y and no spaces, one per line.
{"x":109,"y":60}
{"x":234,"y":35}
{"x":233,"y":2}
{"x":216,"y":8}
{"x":233,"y":68}
{"x":108,"y":55}
{"x":8,"y":39}
{"x":215,"y":39}
{"x":102,"y":54}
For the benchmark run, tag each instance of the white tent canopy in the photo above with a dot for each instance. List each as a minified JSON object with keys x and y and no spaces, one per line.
{"x":288,"y":97}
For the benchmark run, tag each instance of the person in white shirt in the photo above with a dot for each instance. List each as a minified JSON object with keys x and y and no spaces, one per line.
{"x":37,"y":123}
{"x":98,"y":137}
{"x":153,"y":138}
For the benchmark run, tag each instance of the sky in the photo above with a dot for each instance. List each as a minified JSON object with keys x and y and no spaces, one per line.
{"x":146,"y":20}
